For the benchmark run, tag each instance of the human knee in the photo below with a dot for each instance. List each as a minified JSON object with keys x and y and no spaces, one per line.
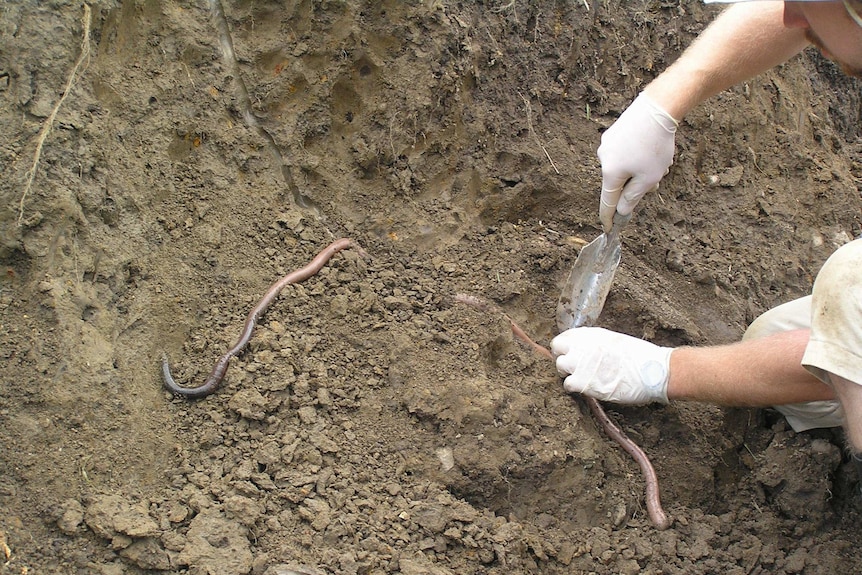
{"x":840,"y":277}
{"x":789,"y":316}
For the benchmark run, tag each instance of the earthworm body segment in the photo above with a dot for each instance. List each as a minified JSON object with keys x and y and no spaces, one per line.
{"x":218,"y":372}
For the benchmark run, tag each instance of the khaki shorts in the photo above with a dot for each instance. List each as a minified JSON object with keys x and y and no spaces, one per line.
{"x":833,"y":313}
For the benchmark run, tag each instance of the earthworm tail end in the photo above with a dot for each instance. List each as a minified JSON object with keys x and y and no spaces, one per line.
{"x":206,"y":388}
{"x":653,"y":498}
{"x":488,"y":307}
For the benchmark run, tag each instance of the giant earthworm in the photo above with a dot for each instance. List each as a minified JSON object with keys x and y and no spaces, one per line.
{"x":653,"y":499}
{"x":220,"y":368}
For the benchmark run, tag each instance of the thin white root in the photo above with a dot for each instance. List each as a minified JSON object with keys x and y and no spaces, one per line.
{"x":529,"y":110}
{"x":49,"y":123}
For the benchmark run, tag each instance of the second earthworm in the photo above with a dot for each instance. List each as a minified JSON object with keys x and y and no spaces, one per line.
{"x":218,"y":372}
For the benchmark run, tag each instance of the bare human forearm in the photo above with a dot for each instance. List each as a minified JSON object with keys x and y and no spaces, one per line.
{"x":744,"y":41}
{"x":753,"y":373}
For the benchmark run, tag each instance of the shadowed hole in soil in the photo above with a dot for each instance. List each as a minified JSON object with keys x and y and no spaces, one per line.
{"x":15,"y":268}
{"x":562,"y":496}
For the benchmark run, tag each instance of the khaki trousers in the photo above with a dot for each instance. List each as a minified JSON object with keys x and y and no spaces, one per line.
{"x":833,"y":313}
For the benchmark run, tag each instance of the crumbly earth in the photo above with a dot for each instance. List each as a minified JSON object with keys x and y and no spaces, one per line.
{"x":374,"y":425}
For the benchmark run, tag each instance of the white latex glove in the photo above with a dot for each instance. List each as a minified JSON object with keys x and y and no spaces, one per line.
{"x":612,"y":366}
{"x":636,"y":152}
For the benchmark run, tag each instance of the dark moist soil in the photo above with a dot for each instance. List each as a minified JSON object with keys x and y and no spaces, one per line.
{"x":374,"y":425}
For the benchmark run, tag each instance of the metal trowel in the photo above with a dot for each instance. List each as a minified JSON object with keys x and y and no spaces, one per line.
{"x":590,"y":280}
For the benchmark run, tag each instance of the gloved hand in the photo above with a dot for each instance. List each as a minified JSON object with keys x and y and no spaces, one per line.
{"x":636,"y":152}
{"x":612,"y":366}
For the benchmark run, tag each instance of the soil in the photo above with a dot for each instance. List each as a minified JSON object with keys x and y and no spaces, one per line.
{"x":374,"y":425}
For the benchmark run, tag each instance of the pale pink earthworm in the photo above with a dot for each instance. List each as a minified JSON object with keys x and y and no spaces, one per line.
{"x":218,"y":372}
{"x":653,"y":499}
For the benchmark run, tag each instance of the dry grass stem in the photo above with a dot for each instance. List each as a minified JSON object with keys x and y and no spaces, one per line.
{"x":529,"y":110}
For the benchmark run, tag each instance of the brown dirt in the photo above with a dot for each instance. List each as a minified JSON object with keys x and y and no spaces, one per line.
{"x":373,"y":425}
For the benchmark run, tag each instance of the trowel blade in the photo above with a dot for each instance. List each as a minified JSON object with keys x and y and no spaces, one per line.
{"x":589,"y":282}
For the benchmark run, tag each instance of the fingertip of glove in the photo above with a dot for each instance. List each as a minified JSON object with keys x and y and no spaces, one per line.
{"x":563,"y":365}
{"x":565,"y":341}
{"x":572,"y":386}
{"x":557,"y":347}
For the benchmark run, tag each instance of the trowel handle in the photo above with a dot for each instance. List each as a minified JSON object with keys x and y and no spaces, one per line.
{"x":612,"y":244}
{"x":620,"y":221}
